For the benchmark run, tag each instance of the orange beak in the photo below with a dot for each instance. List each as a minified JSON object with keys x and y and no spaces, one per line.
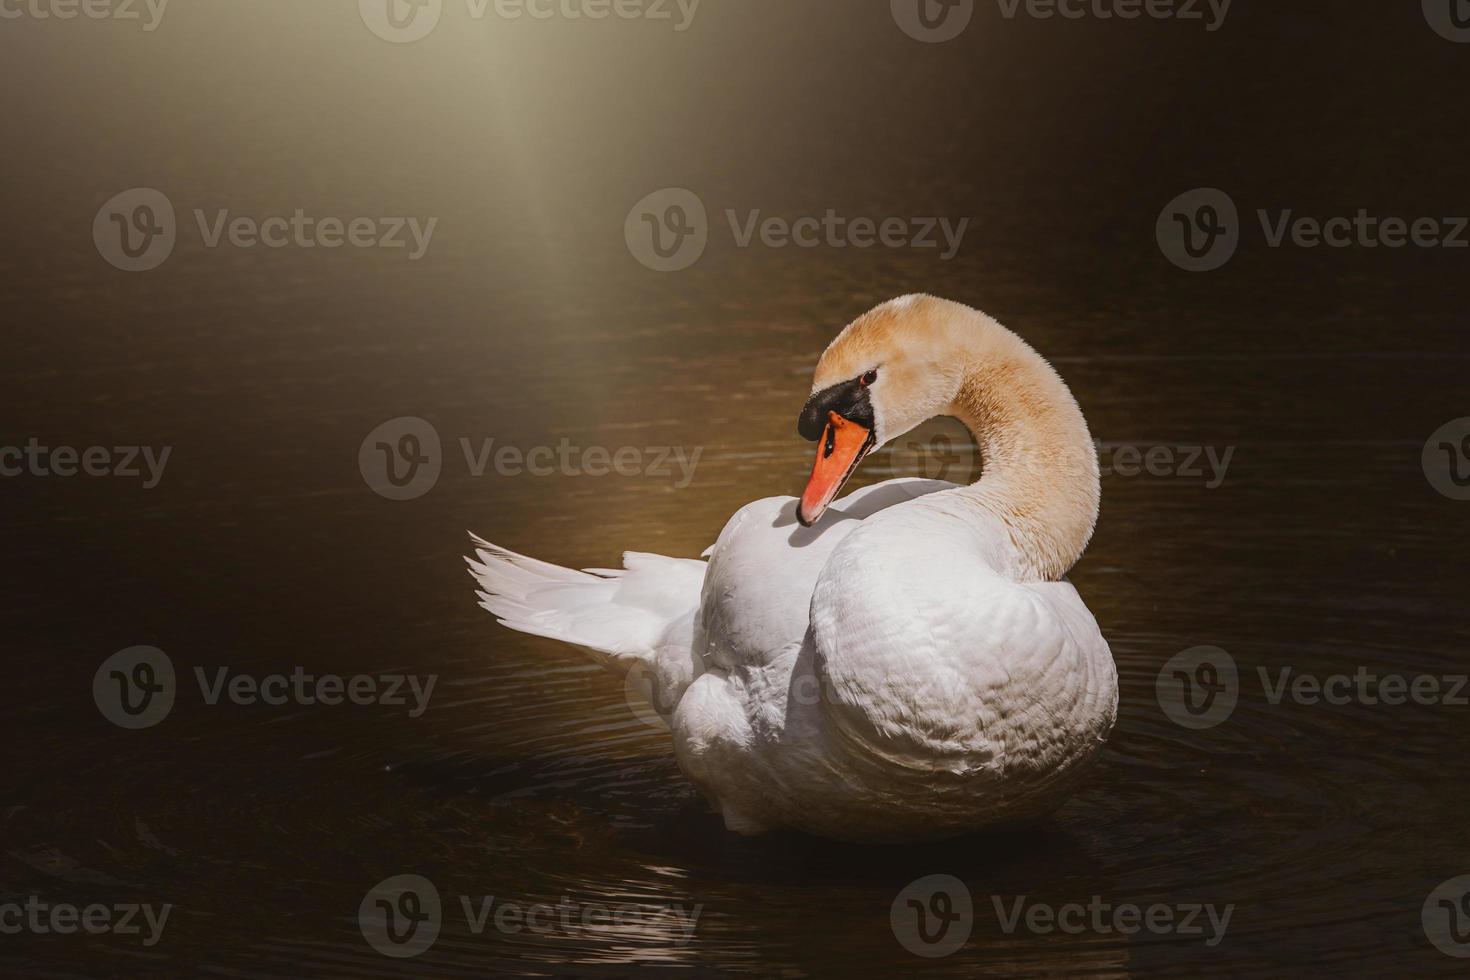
{"x":843,"y":445}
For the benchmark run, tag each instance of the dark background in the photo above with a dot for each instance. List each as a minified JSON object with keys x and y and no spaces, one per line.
{"x":528,"y":321}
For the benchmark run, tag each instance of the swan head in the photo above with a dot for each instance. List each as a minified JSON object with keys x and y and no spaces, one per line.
{"x":889,"y":370}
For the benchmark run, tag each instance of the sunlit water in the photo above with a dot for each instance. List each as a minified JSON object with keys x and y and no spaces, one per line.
{"x":529,"y":777}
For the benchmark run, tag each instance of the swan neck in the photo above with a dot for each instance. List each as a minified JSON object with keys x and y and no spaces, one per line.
{"x":1039,"y":473}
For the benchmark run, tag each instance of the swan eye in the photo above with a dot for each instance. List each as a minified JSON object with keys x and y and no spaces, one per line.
{"x":868,"y":378}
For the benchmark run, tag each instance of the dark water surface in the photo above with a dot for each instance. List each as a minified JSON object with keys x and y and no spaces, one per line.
{"x":1322,"y":548}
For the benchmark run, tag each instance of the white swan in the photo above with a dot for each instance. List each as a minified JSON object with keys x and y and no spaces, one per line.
{"x":907,"y":664}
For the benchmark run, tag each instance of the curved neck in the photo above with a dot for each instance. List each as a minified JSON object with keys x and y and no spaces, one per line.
{"x":1039,"y":465}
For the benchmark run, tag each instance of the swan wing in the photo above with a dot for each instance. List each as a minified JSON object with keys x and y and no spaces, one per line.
{"x":622,"y":616}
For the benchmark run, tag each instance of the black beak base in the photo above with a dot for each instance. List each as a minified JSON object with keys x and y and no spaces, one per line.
{"x":848,"y":399}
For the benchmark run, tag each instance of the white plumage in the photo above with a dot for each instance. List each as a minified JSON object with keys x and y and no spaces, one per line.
{"x":913,"y":665}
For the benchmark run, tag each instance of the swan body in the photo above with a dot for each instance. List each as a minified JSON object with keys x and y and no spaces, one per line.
{"x":908,"y":664}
